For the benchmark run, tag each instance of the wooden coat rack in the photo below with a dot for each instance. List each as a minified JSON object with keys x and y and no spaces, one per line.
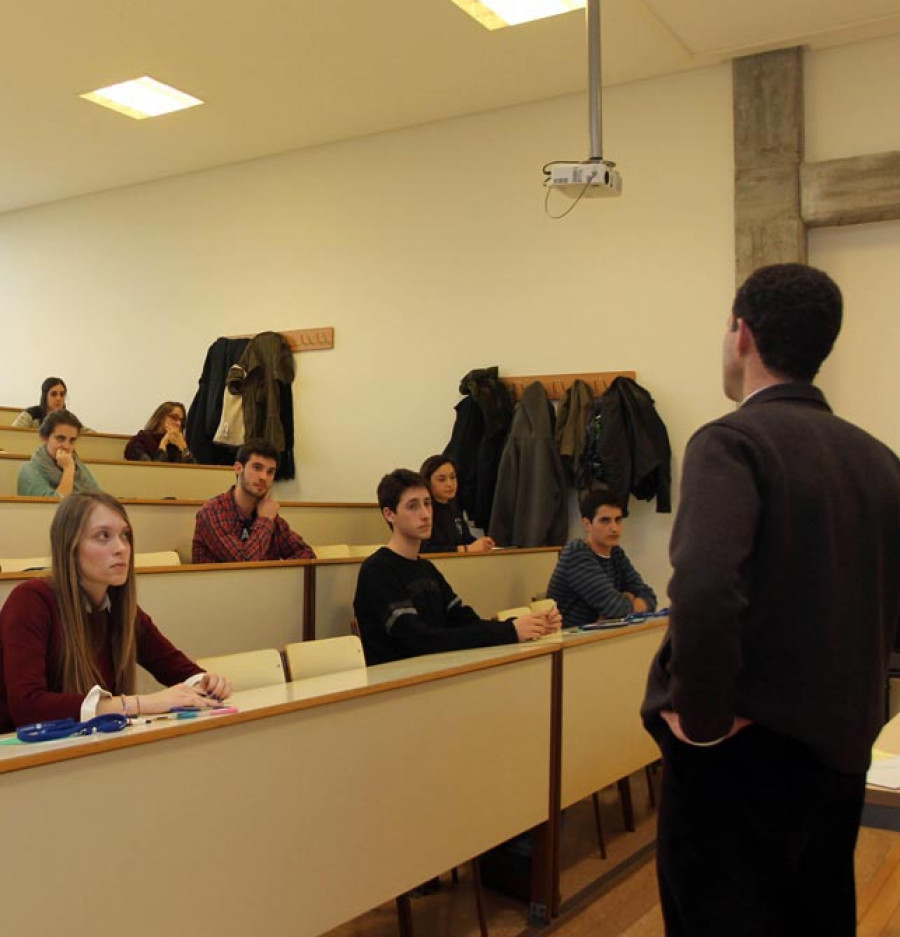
{"x":304,"y":339}
{"x":556,"y":385}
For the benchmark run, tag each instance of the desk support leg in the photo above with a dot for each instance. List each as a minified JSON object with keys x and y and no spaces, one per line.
{"x":598,"y":823}
{"x":624,"y":785}
{"x":404,"y":915}
{"x":308,"y":625}
{"x":479,"y":896}
{"x":545,"y":897}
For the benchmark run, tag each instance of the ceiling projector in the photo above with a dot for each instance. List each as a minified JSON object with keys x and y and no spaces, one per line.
{"x":590,"y":179}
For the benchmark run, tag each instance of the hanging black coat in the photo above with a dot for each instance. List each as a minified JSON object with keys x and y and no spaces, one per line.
{"x":628,"y":448}
{"x":483,"y":418}
{"x":206,"y":409}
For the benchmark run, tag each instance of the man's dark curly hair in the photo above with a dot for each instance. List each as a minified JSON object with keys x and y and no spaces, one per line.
{"x":794,"y":312}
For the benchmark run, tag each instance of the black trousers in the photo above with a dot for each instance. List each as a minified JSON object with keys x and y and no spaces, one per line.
{"x":756,"y":839}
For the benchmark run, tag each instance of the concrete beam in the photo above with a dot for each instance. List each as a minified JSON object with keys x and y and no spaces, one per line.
{"x":857,"y":190}
{"x":768,"y":151}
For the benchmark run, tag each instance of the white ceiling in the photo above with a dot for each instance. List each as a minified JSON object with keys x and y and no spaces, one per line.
{"x":284,"y":74}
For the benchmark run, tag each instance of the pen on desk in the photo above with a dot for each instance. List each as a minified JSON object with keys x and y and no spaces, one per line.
{"x":166,"y":717}
{"x":191,"y":714}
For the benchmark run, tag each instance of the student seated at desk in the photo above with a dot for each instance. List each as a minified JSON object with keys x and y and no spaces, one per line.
{"x":70,"y":644}
{"x":242,"y":524}
{"x":53,"y":397}
{"x":54,"y":469}
{"x":594,"y":578}
{"x":162,"y":439}
{"x":449,"y":531}
{"x":404,"y":606}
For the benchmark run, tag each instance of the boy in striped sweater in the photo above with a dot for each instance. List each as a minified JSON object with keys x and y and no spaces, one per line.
{"x":594,"y":578}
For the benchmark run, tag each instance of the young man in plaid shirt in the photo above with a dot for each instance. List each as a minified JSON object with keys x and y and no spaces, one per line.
{"x":242,"y":524}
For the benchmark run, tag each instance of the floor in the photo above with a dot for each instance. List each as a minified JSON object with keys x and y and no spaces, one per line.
{"x":616,"y":897}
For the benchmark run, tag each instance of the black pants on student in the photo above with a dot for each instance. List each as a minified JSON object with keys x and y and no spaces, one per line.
{"x":756,"y":839}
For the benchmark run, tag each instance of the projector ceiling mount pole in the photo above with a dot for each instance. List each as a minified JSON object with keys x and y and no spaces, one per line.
{"x":595,"y":90}
{"x":594,"y":176}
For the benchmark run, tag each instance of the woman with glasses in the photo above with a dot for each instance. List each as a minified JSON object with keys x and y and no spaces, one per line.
{"x":162,"y":439}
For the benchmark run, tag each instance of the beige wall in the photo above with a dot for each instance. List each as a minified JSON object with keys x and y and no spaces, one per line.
{"x":851,"y":93}
{"x":429,"y":251}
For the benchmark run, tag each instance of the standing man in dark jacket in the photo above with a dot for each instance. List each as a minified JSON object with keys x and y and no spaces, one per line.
{"x":766,"y":695}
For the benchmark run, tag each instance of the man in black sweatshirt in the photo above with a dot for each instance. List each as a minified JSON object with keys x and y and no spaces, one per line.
{"x":404,"y":606}
{"x":766,"y":695}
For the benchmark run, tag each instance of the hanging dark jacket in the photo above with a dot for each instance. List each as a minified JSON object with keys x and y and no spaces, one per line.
{"x":571,"y":424}
{"x":206,"y":409}
{"x":483,"y":418}
{"x":267,"y":396}
{"x":530,"y":499}
{"x":630,"y":452}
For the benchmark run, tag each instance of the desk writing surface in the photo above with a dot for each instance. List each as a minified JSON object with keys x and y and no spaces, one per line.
{"x":294,"y":821}
{"x":888,"y":741}
{"x":280,"y":698}
{"x":889,"y":738}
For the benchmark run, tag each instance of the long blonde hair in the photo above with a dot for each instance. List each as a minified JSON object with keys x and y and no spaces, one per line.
{"x":78,"y":666}
{"x":157,"y":420}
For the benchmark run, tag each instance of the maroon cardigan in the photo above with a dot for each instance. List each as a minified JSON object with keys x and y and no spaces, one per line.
{"x":30,"y":656}
{"x":144,"y":447}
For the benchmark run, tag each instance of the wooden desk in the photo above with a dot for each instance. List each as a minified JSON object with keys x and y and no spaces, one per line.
{"x":229,"y":607}
{"x":603,"y":738}
{"x":318,"y":801}
{"x":90,"y":445}
{"x":212,"y":610}
{"x":882,"y":806}
{"x":136,"y":479}
{"x":169,"y":525}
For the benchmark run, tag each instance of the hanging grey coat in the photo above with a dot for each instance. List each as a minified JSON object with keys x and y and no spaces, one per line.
{"x":530,"y":499}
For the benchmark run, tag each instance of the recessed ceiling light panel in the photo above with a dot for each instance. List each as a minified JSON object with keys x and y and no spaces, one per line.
{"x":142,"y":97}
{"x":495,"y":14}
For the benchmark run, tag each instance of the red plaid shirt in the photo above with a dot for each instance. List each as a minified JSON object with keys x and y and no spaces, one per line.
{"x":223,"y":535}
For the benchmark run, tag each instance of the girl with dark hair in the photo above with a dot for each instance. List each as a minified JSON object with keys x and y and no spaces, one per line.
{"x":53,"y":397}
{"x":70,"y":644}
{"x":449,"y":531}
{"x":162,"y":439}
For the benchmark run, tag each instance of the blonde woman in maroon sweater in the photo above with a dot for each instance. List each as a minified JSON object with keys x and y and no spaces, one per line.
{"x":70,"y":644}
